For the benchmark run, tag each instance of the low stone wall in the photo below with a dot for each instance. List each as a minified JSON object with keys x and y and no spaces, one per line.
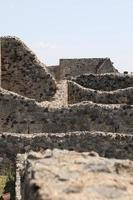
{"x":23,"y":73}
{"x":105,"y":82}
{"x":111,"y":145}
{"x":23,"y":115}
{"x":75,"y":67}
{"x":77,"y":93}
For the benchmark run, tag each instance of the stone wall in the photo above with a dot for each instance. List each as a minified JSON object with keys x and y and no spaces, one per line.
{"x":75,"y":67}
{"x":77,"y":93}
{"x":55,"y":71}
{"x":23,"y":73}
{"x":23,"y":115}
{"x":111,"y":145}
{"x":0,"y":63}
{"x":91,"y":113}
{"x":69,"y":68}
{"x":105,"y":82}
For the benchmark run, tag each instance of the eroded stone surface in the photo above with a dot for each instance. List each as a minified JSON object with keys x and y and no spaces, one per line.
{"x":23,"y":73}
{"x":75,"y":67}
{"x":105,"y":82}
{"x":110,"y":145}
{"x":70,"y":175}
{"x":23,"y":115}
{"x":77,"y":93}
{"x":36,"y":113}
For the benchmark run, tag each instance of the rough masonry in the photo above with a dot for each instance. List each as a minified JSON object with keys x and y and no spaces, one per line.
{"x":23,"y":73}
{"x":77,"y":115}
{"x":70,"y":175}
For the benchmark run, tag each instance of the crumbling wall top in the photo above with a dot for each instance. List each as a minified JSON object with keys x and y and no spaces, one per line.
{"x":23,"y":73}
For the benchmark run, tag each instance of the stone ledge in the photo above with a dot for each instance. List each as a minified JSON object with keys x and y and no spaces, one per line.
{"x":70,"y":175}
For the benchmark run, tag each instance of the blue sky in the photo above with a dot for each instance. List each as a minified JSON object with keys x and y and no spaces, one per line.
{"x":72,"y":28}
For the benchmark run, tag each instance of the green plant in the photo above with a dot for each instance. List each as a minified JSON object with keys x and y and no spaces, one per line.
{"x":3,"y":180}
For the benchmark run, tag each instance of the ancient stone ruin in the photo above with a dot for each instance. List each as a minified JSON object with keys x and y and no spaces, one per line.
{"x":66,"y":131}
